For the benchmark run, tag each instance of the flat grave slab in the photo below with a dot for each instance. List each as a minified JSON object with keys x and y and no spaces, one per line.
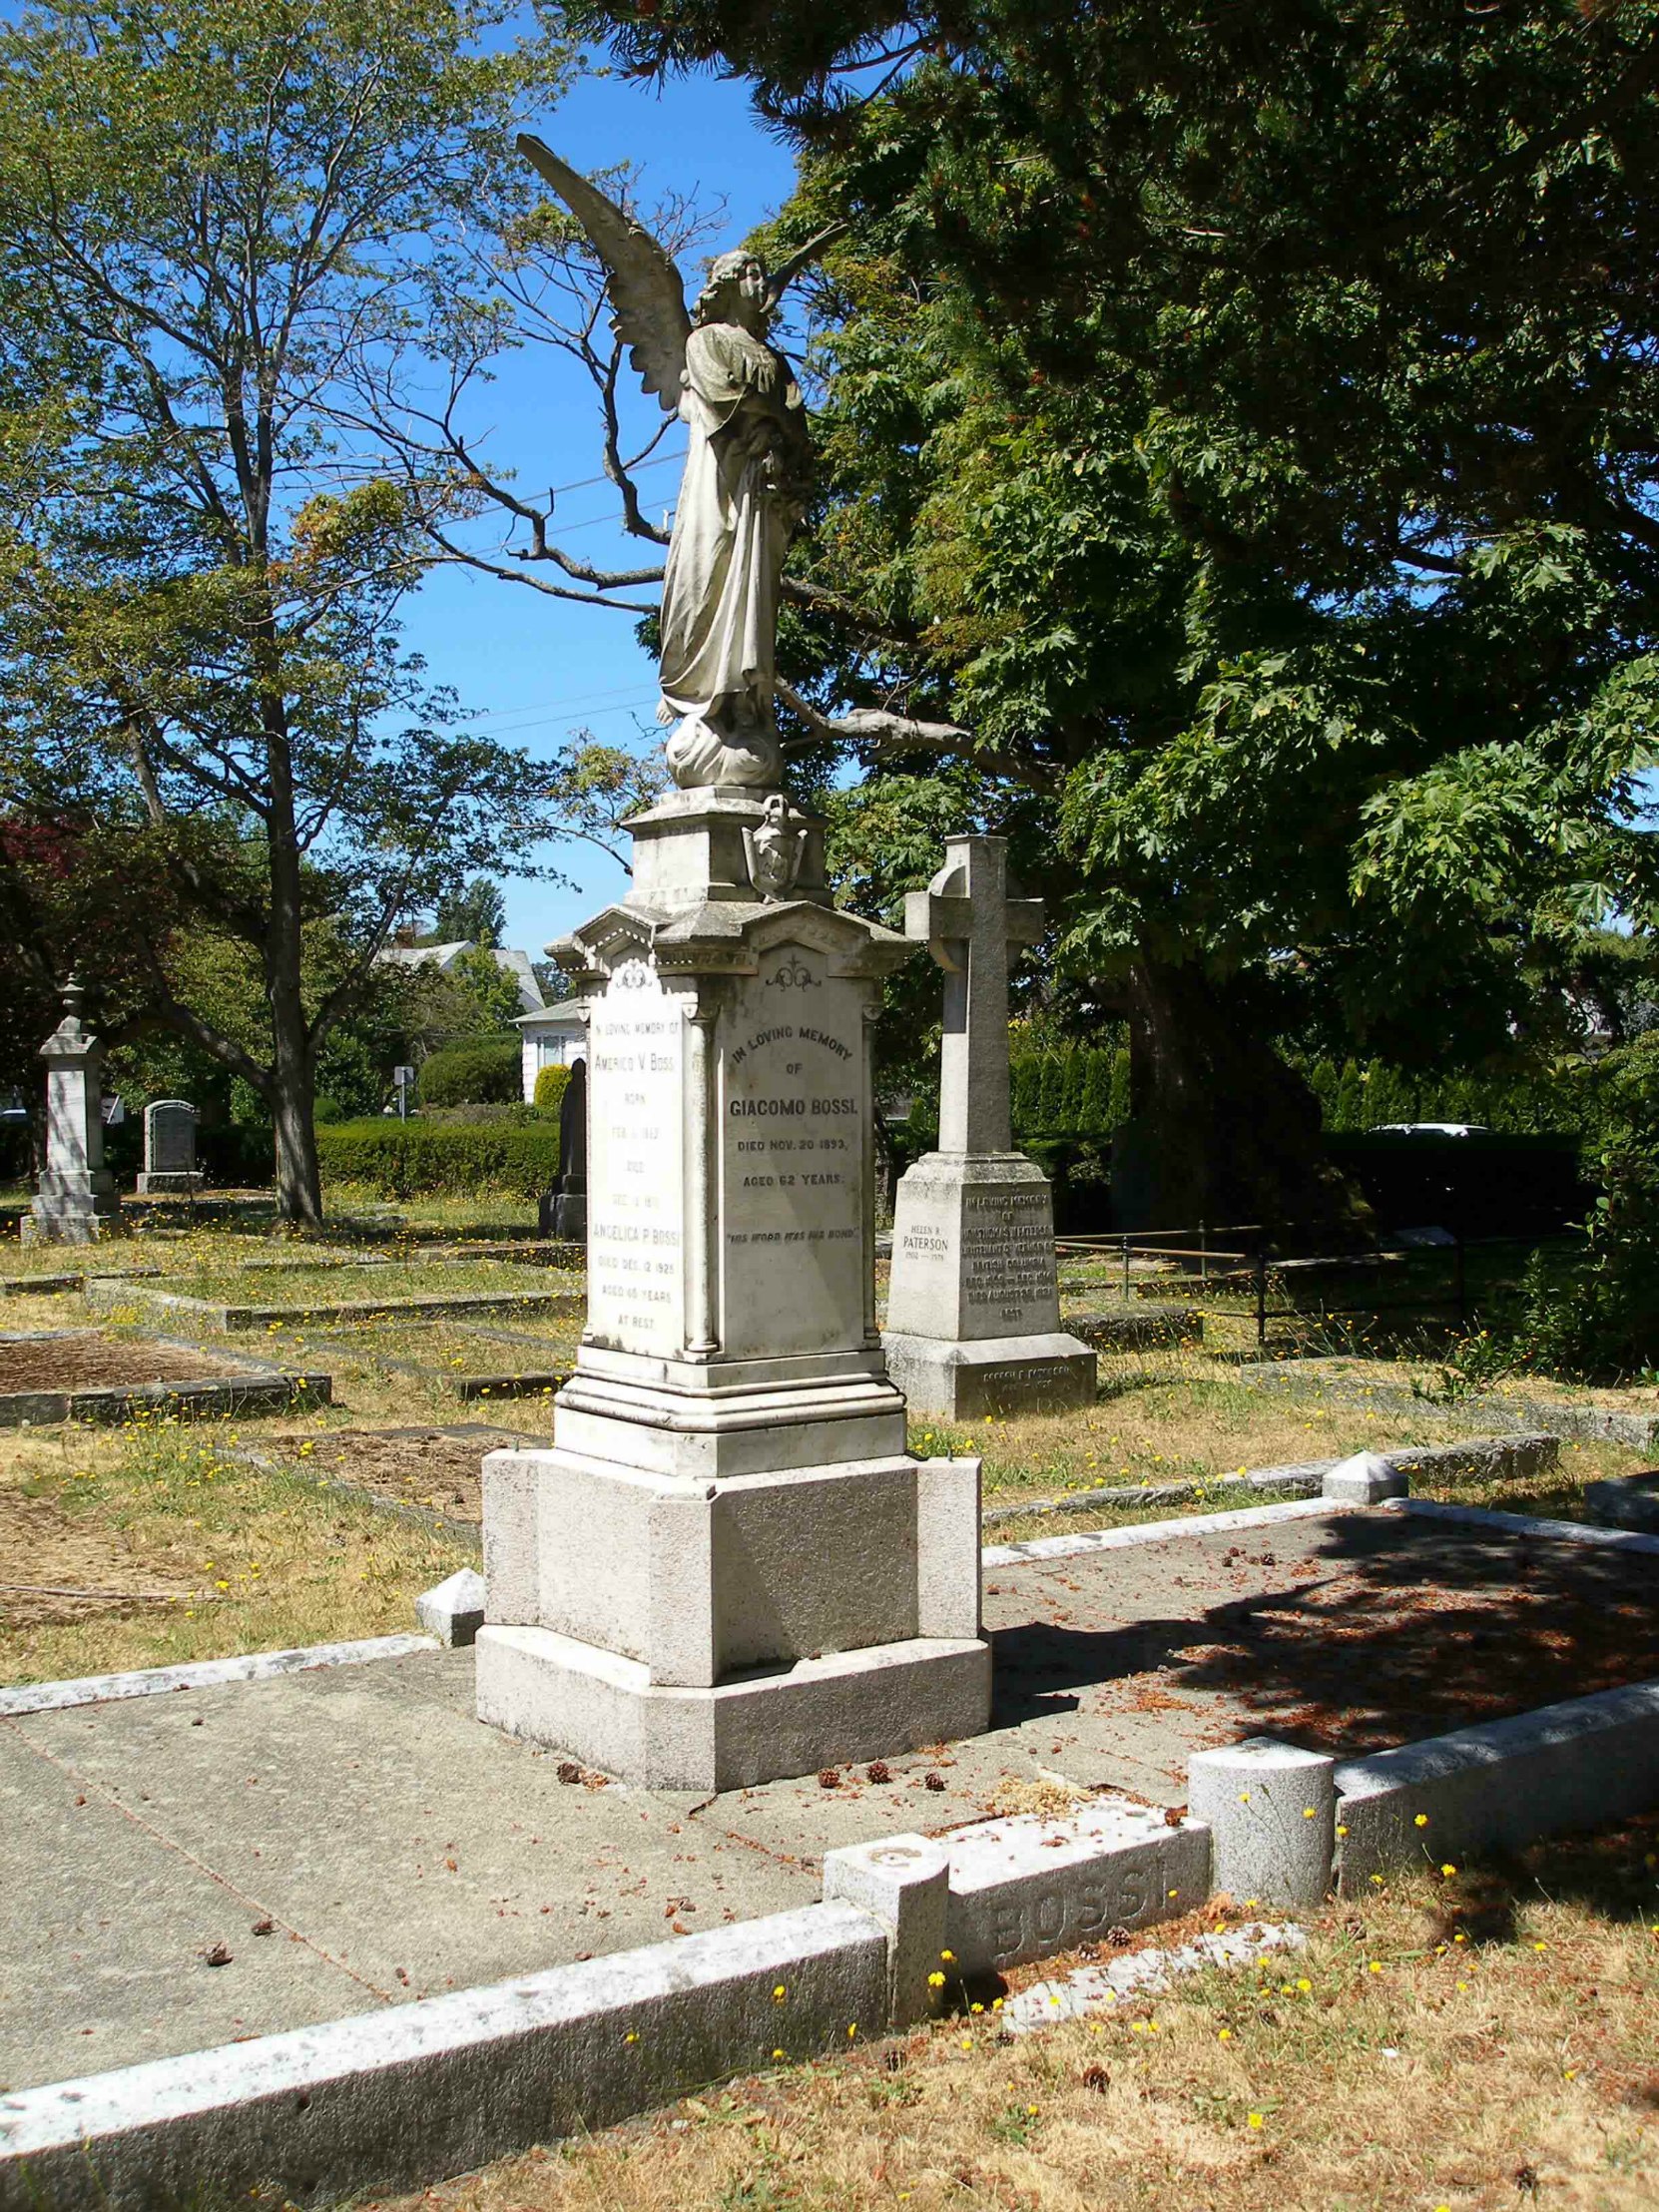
{"x":389,"y":1846}
{"x":81,"y":1374}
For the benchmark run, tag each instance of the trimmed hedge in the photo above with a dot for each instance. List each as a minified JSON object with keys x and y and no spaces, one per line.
{"x":489,"y":1073}
{"x":551,"y":1086}
{"x":1080,"y":1093}
{"x":406,"y":1159}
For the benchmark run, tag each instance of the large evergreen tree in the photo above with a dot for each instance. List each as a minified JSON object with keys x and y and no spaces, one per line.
{"x":1241,"y":439}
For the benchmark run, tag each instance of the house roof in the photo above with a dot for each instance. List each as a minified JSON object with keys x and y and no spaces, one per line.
{"x":443,"y":957}
{"x":568,"y":1014}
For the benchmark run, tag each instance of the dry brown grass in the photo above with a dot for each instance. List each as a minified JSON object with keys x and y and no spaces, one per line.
{"x":213,"y":1556}
{"x":1390,"y":2066}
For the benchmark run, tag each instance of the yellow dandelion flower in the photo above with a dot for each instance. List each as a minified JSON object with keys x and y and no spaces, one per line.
{"x":1421,"y":1821}
{"x":1256,"y":2120}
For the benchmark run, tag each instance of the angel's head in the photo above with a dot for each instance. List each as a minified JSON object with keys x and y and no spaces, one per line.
{"x":737,"y":291}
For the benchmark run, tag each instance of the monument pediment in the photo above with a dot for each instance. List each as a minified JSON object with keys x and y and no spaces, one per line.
{"x":619,"y":934}
{"x":725,"y":937}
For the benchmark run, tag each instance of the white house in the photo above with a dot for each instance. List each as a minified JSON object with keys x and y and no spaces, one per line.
{"x":443,"y":957}
{"x":554,"y":1038}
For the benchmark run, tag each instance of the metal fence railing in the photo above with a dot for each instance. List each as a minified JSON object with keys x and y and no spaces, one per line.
{"x":1238,"y":1266}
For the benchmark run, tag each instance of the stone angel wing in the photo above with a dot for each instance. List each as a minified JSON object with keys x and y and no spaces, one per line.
{"x":648,"y":301}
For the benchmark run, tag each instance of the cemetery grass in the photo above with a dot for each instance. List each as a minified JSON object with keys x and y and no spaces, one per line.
{"x":1479,"y":2038}
{"x":192,"y":1552}
{"x":1188,"y":1417}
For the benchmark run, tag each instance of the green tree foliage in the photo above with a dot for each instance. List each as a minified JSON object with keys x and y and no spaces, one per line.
{"x":487,"y":1073}
{"x":492,"y":989}
{"x":1241,"y":424}
{"x":222,"y":225}
{"x":475,"y":912}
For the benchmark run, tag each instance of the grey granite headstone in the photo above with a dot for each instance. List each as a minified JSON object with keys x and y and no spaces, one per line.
{"x":76,"y":1202}
{"x":973,"y":1311}
{"x":169,"y":1149}
{"x":570,"y":1208}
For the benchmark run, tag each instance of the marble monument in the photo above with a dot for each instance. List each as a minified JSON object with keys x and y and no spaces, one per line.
{"x":728,"y":1567}
{"x":973,"y":1309}
{"x":77,"y":1201}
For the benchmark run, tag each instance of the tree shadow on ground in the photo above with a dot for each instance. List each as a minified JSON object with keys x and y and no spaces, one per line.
{"x":1395,"y":1629}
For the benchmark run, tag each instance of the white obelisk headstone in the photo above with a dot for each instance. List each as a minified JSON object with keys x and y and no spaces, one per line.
{"x":76,"y":1202}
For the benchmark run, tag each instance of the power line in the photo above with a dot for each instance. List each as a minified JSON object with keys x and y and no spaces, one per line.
{"x":561,"y":706}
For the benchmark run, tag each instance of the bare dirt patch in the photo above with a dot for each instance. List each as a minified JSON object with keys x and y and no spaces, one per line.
{"x":434,"y":1468}
{"x":76,"y":1362}
{"x":54,"y":1568}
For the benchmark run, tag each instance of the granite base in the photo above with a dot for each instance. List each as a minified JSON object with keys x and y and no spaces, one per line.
{"x":852,"y":1705}
{"x":1047,"y":1374}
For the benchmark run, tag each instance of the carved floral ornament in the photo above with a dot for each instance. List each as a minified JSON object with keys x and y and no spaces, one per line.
{"x":635,"y":976}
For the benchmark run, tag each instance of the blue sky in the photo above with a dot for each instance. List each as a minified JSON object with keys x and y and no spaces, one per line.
{"x":537,"y":669}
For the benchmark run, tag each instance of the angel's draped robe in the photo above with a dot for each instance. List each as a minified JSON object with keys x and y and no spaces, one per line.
{"x":740,"y":500}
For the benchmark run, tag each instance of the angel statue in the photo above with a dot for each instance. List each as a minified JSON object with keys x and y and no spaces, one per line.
{"x":743,"y":491}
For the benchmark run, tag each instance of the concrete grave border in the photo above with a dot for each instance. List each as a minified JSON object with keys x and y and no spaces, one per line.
{"x":202,"y":1674}
{"x":103,"y":1295}
{"x":56,"y":1285}
{"x":1584,"y":1424}
{"x":255,"y":1388}
{"x":442,"y":2084}
{"x":1509,"y":1457}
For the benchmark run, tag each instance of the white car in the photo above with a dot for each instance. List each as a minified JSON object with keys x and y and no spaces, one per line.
{"x":1430,"y":1129}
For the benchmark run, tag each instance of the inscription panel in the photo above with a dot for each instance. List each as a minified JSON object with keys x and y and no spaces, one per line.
{"x":636,"y":1260}
{"x":1050,"y":1386}
{"x":791,"y":1116}
{"x":972,"y":1258}
{"x":1010,"y":1287}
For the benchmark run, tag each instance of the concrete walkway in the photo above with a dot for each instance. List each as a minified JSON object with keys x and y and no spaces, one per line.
{"x":353,"y":1838}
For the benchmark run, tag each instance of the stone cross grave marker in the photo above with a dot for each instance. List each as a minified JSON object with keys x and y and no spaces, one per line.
{"x":77,"y":1201}
{"x":973,"y":1311}
{"x":169,"y":1149}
